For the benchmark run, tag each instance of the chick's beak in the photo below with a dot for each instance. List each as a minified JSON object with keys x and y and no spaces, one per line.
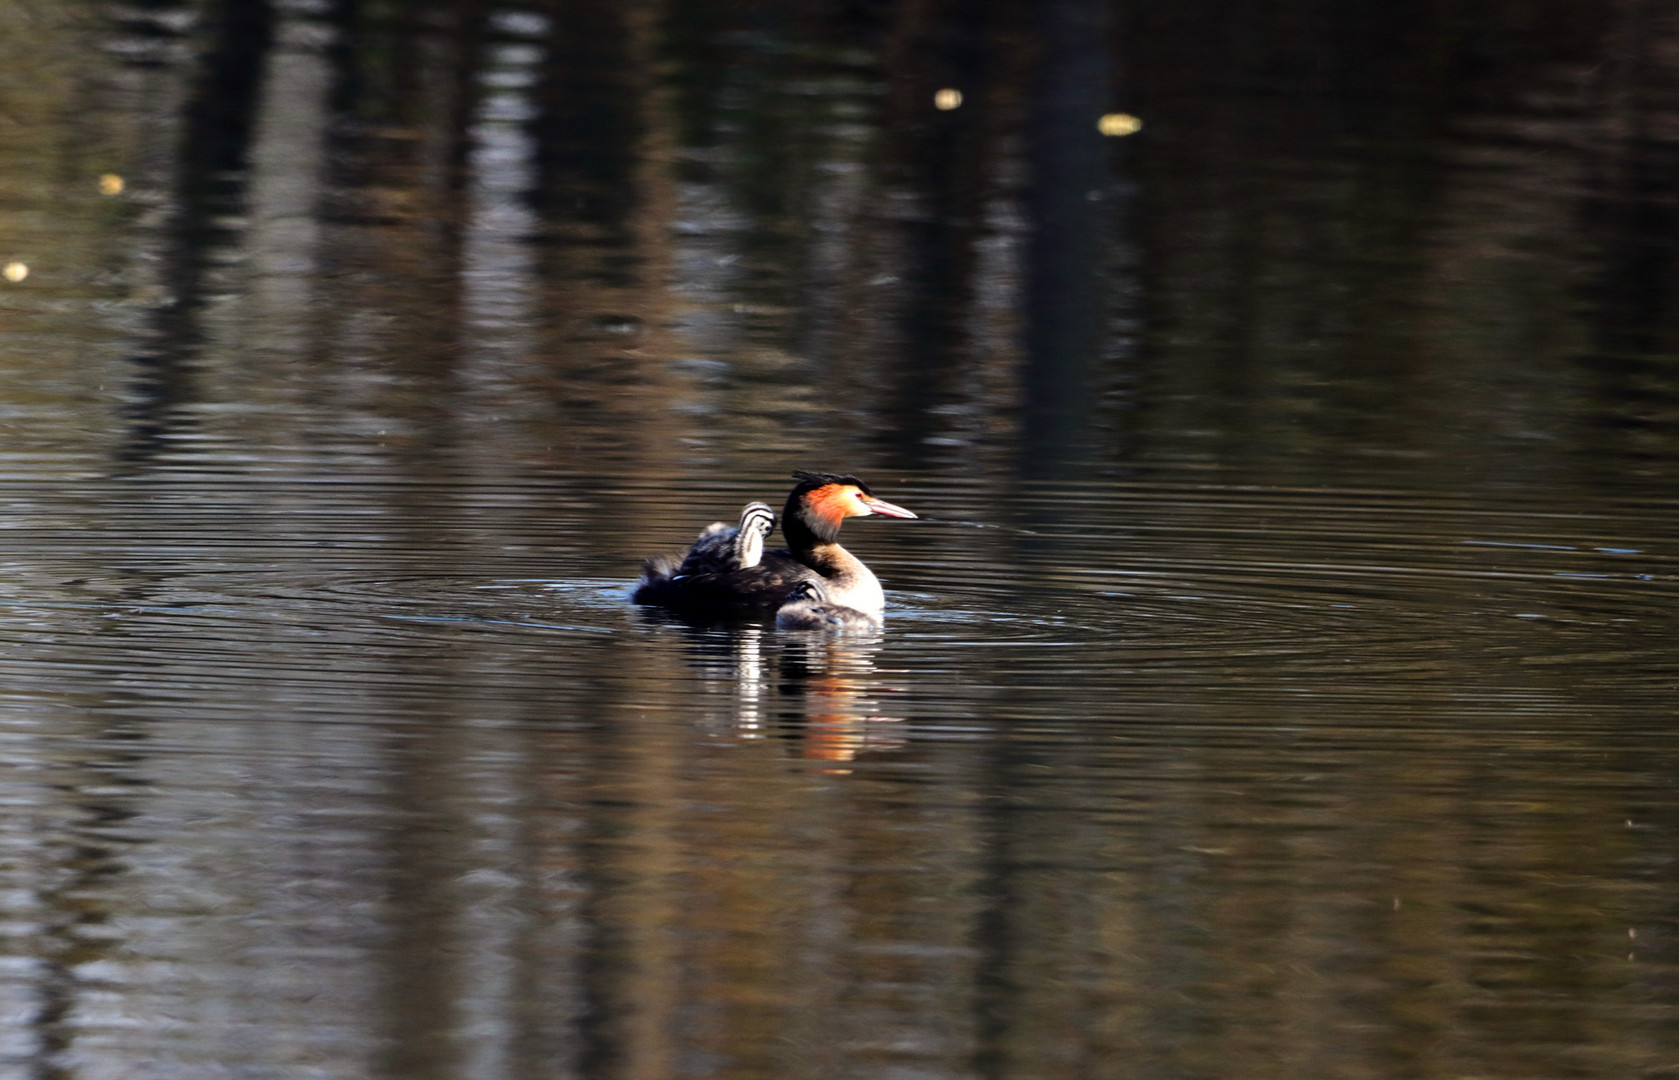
{"x":884,"y":508}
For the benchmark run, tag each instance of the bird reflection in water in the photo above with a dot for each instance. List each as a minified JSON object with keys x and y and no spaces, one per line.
{"x":834,"y":682}
{"x":826,"y":690}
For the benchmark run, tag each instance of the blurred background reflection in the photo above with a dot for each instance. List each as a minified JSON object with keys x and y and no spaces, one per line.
{"x":1280,"y":680}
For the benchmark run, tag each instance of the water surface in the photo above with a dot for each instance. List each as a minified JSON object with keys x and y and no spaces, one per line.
{"x":1280,"y":679}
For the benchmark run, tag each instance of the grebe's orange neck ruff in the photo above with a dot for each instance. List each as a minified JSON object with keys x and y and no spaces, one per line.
{"x":826,"y":508}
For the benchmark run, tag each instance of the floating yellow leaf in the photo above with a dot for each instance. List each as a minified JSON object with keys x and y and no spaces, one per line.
{"x":1118,"y":123}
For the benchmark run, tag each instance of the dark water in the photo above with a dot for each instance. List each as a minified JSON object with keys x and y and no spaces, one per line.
{"x":1281,"y":680}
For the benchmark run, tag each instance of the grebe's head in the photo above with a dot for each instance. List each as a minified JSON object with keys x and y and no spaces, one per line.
{"x":757,"y":519}
{"x":824,"y":500}
{"x":756,"y":522}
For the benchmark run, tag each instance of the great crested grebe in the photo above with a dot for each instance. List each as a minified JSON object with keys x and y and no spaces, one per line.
{"x":807,"y":608}
{"x":810,"y":522}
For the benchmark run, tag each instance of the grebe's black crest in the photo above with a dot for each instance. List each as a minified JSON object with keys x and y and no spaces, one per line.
{"x":810,"y":481}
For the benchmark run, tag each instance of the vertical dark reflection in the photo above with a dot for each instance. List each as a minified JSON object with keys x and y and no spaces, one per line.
{"x":949,"y":155}
{"x":422,"y":985}
{"x":996,"y":998}
{"x":626,"y":982}
{"x":348,"y":85}
{"x":589,"y":126}
{"x":211,"y":177}
{"x":1068,"y":212}
{"x":406,"y":85}
{"x":88,"y":861}
{"x":1634,"y":317}
{"x":604,"y":947}
{"x":592,"y":244}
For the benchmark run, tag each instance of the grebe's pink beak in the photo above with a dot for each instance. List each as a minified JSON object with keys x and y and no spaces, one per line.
{"x":882,"y":507}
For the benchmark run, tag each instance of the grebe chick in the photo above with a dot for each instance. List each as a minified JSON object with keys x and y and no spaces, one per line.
{"x":811,"y":521}
{"x":807,"y":608}
{"x":722,"y":548}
